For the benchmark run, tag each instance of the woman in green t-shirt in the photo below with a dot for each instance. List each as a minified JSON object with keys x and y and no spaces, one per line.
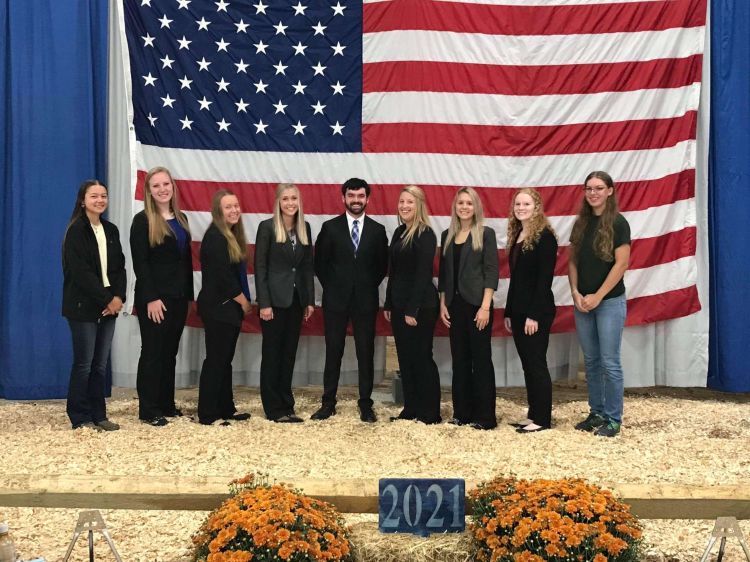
{"x":600,"y":251}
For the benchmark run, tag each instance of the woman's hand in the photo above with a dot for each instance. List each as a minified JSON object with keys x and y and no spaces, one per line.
{"x":590,"y":302}
{"x":266,"y":313}
{"x":309,"y":309}
{"x":531,"y":327}
{"x":445,"y":317}
{"x":482,"y":318}
{"x":578,"y":302}
{"x":508,"y":325}
{"x":113,"y":307}
{"x":387,"y":315}
{"x":410,"y":320}
{"x":155,"y":311}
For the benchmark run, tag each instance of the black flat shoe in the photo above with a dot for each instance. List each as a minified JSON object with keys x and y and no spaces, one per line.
{"x":536,"y":430}
{"x":291,"y":418}
{"x":323,"y":413}
{"x":456,"y":421}
{"x":367,"y":415}
{"x":158,"y":421}
{"x":176,"y":413}
{"x":239,"y":417}
{"x":482,"y":427}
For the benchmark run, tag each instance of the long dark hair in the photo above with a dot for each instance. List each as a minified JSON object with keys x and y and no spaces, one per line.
{"x":604,"y":238}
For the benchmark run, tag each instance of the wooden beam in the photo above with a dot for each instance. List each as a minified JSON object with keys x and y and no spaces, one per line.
{"x":649,"y":501}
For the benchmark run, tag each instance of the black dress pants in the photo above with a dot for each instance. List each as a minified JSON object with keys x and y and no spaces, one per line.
{"x":159,"y":346}
{"x":363,"y":324}
{"x":473,"y":374}
{"x":215,"y":398}
{"x":419,"y":373}
{"x":280,"y":339}
{"x":533,"y":353}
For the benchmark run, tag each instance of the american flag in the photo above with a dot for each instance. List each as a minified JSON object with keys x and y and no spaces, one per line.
{"x":493,"y":94}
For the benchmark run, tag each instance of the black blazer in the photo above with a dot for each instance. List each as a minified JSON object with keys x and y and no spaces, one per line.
{"x":350,"y":281}
{"x":530,"y":291}
{"x":280,"y":269}
{"x":477,"y":271}
{"x":84,"y":293}
{"x":161,"y":271}
{"x":410,"y":284}
{"x":221,"y":282}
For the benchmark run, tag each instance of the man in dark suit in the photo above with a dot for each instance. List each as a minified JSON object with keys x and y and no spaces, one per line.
{"x":351,"y":259}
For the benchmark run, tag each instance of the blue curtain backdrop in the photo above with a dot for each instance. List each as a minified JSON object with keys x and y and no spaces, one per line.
{"x":729,"y":196}
{"x":53,"y":57}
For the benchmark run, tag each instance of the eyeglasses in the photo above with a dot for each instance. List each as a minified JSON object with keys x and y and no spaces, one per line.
{"x":588,"y":189}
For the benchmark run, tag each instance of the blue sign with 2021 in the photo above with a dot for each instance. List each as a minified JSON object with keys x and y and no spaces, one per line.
{"x":421,"y":505}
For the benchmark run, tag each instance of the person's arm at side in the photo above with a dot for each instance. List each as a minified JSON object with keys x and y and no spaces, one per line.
{"x":424,"y":246}
{"x":116,"y":273}
{"x":263,"y":241}
{"x":307,"y":271}
{"x":546,"y":255}
{"x":189,"y":290}
{"x":381,"y":258}
{"x":322,"y":254}
{"x":573,"y":282}
{"x":388,"y":304}
{"x":445,"y":317}
{"x":491,"y":273}
{"x":139,"y":251}
{"x":216,"y":256}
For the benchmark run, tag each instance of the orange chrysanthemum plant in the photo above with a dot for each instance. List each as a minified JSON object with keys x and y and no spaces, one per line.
{"x":561,"y":520}
{"x":264,"y":523}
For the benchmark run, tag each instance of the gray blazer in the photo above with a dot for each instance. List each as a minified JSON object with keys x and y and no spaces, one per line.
{"x":477,"y":271}
{"x":281,"y":269}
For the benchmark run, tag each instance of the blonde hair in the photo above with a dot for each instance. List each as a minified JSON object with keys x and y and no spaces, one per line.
{"x":235,"y":235}
{"x":299,"y":219}
{"x":605,"y":233}
{"x":537,"y":223}
{"x":158,"y":227}
{"x":477,"y":227}
{"x":421,"y":215}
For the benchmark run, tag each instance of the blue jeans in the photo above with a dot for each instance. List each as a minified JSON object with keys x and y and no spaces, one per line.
{"x":600,"y":336}
{"x":91,"y":344}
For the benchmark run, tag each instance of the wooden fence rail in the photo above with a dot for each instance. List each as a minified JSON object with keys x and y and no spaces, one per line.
{"x":196,"y":493}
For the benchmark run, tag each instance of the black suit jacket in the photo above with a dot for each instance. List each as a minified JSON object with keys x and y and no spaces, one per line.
{"x":410,"y":284}
{"x":84,"y":293}
{"x":280,"y":268}
{"x":160,"y":271}
{"x":530,"y":291}
{"x":351,"y":282}
{"x":221,"y":282}
{"x":477,"y":270}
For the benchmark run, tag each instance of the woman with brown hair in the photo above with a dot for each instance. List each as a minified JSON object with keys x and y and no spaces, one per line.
{"x":223,"y":302}
{"x":162,"y":260}
{"x":530,"y":306}
{"x":600,"y":252}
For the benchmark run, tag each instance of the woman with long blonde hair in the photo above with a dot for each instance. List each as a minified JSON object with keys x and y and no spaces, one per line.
{"x":222,"y":303}
{"x":530,"y":306}
{"x":163,"y":264}
{"x":467,"y":282}
{"x":411,"y":306}
{"x":286,"y":295}
{"x":599,"y":257}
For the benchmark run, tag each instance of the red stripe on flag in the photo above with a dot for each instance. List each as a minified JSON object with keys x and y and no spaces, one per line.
{"x":530,"y":140}
{"x":532,"y":20}
{"x":411,"y":76}
{"x":326,"y":200}
{"x":643,"y":310}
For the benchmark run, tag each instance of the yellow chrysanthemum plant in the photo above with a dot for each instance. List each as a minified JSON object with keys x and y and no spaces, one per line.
{"x":264,"y":523}
{"x":567,"y":520}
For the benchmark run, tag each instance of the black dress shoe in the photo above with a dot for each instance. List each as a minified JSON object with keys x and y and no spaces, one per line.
{"x":176,"y":413}
{"x":535,"y":430}
{"x":482,"y":426}
{"x":158,"y":421}
{"x":239,"y":417}
{"x":456,"y":421}
{"x":289,"y":418}
{"x":367,"y":415}
{"x":324,"y":412}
